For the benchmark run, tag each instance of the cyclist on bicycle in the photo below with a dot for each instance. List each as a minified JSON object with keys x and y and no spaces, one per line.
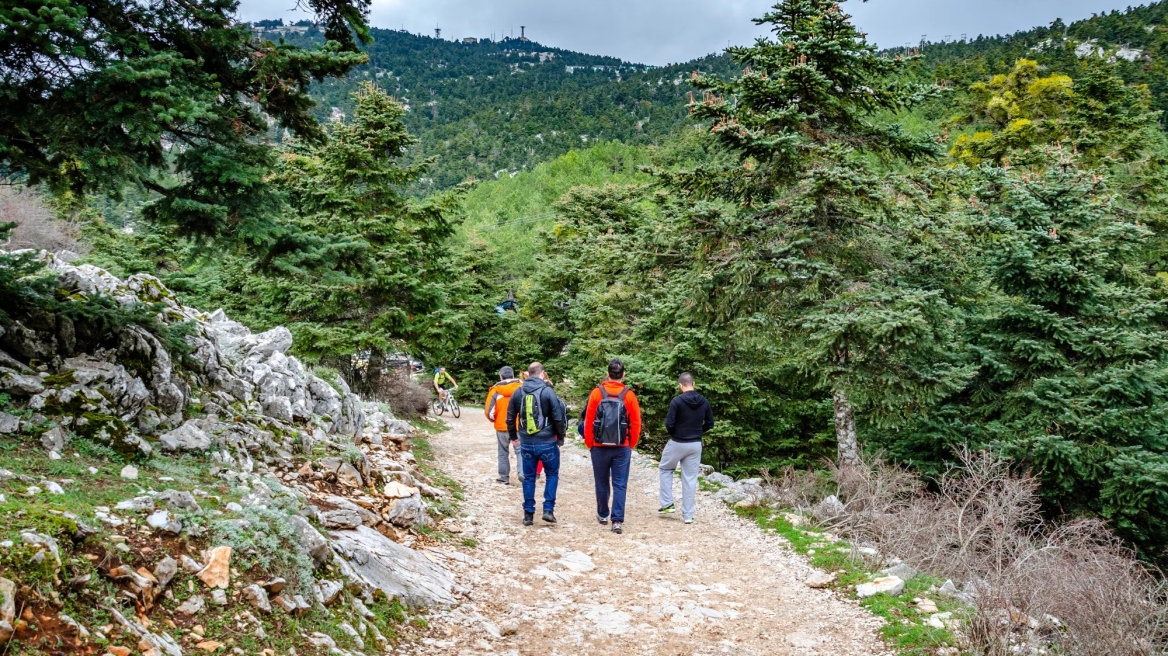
{"x":441,"y":378}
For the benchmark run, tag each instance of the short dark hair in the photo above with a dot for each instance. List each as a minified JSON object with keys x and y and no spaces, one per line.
{"x":686,"y":378}
{"x":616,"y":369}
{"x":534,"y":369}
{"x":506,"y":372}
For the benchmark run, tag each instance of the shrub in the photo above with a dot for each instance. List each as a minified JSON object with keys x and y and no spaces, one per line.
{"x":407,"y":398}
{"x":1071,"y":587}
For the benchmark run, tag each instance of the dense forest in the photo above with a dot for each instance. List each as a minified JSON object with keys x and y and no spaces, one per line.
{"x":854,"y":250}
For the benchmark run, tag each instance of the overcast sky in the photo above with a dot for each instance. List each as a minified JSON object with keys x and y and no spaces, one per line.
{"x":670,"y":31}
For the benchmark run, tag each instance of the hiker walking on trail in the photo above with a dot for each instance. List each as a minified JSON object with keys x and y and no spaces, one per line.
{"x":495,"y":409}
{"x":535,"y":417}
{"x":689,"y":418}
{"x":612,"y":425}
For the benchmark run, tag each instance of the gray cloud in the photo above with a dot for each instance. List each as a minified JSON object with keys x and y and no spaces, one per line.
{"x":668,"y":31}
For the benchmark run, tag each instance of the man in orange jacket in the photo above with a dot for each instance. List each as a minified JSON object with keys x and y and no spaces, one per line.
{"x":612,"y":426}
{"x":495,"y":409}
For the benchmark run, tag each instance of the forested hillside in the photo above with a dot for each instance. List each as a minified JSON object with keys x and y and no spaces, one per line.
{"x":495,"y":108}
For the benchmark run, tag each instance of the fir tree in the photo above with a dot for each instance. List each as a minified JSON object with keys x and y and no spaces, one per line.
{"x":803,"y":256}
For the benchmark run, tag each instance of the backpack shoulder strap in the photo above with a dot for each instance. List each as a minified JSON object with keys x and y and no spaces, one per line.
{"x":621,"y":396}
{"x":603,"y":392}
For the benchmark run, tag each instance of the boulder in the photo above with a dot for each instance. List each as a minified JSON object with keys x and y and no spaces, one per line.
{"x":310,"y":540}
{"x":372,"y":562}
{"x":407,"y":512}
{"x":162,"y":520}
{"x":53,"y":439}
{"x":276,"y":340}
{"x":9,"y":424}
{"x":165,"y":570}
{"x":20,"y":384}
{"x":888,"y":585}
{"x":328,"y":591}
{"x":903,"y":571}
{"x":188,"y":437}
{"x":348,"y":475}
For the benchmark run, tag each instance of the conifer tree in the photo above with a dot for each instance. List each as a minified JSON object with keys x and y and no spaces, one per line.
{"x":170,"y":96}
{"x":804,"y":255}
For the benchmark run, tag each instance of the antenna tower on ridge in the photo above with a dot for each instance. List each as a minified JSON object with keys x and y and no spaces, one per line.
{"x":437,"y":32}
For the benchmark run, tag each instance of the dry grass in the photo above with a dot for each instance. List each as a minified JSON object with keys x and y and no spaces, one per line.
{"x":1071,"y":587}
{"x":37,"y":226}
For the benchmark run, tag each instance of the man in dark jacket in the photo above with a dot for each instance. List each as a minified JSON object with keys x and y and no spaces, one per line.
{"x":689,"y":418}
{"x":536,"y":418}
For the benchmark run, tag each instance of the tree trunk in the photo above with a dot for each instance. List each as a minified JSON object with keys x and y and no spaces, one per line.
{"x":845,"y":430}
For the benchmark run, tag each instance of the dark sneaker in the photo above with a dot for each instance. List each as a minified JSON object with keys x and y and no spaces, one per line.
{"x":603,"y":520}
{"x":504,"y":481}
{"x":617,"y":527}
{"x":528,"y":518}
{"x":666,"y":510}
{"x":549,"y":517}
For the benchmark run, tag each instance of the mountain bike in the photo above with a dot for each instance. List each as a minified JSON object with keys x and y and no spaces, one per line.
{"x":450,"y":404}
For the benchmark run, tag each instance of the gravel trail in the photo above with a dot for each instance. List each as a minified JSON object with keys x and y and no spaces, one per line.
{"x":718,"y":586}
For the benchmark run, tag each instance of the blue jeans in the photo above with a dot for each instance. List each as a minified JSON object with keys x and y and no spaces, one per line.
{"x":549,"y":454}
{"x":611,"y":462}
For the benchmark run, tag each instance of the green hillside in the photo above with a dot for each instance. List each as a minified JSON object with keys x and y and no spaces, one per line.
{"x":490,"y":108}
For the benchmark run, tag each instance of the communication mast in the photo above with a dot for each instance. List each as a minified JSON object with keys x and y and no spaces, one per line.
{"x":437,"y":32}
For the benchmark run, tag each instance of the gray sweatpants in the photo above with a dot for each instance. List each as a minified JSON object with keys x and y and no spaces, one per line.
{"x":689,"y":456}
{"x":505,"y":457}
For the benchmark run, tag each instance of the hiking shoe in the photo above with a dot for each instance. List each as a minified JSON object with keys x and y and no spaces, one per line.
{"x":603,"y":520}
{"x":503,"y":481}
{"x":616,"y":527}
{"x":666,"y":510}
{"x":549,"y":517}
{"x":689,"y":520}
{"x":528,"y":518}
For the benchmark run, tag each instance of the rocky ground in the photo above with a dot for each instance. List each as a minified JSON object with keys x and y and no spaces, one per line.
{"x":720,"y":585}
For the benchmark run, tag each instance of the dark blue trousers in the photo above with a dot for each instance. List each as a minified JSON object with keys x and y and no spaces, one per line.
{"x":610,"y":465}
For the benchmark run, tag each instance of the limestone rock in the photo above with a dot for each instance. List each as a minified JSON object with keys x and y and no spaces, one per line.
{"x":179,"y":500}
{"x":889,"y":585}
{"x":348,"y":475}
{"x":257,"y":597}
{"x":20,"y":384}
{"x":191,"y":565}
{"x":7,"y":606}
{"x":573,"y":561}
{"x":165,"y":570}
{"x":828,"y":508}
{"x":130,"y":472}
{"x":372,"y":562}
{"x":407,"y":512}
{"x":343,"y":518}
{"x":188,"y":437}
{"x":217,"y":572}
{"x":396,"y":490}
{"x":192,"y":606}
{"x":274,"y":586}
{"x":904,"y":571}
{"x":163,"y":521}
{"x":818,"y":579}
{"x":9,"y":424}
{"x":328,"y":591}
{"x":310,"y":540}
{"x":53,"y":439}
{"x":137,"y":504}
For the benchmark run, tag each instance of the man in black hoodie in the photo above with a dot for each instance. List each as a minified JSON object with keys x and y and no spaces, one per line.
{"x":689,"y":418}
{"x":536,"y":418}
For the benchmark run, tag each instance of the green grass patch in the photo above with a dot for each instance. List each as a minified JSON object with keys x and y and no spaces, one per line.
{"x":905,"y":629}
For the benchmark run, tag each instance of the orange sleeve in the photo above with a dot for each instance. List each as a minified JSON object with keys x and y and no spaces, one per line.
{"x":487,"y":403}
{"x":634,"y":408}
{"x":590,"y":416}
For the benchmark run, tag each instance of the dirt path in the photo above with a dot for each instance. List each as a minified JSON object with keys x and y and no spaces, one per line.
{"x":719,"y":586}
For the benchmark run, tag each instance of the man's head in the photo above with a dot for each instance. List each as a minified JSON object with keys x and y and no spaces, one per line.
{"x":616,"y":369}
{"x":535,"y":370}
{"x":506,"y":373}
{"x":685,"y":381}
{"x":441,"y":370}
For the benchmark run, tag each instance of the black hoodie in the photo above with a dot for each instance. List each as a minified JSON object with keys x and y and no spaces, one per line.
{"x":689,"y":417}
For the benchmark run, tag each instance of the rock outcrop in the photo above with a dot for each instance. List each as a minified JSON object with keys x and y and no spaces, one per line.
{"x":338,"y":471}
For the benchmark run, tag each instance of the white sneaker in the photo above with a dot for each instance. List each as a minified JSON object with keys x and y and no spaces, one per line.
{"x":689,"y":520}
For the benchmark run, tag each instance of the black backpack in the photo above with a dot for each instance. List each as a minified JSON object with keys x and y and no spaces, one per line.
{"x":611,"y":425}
